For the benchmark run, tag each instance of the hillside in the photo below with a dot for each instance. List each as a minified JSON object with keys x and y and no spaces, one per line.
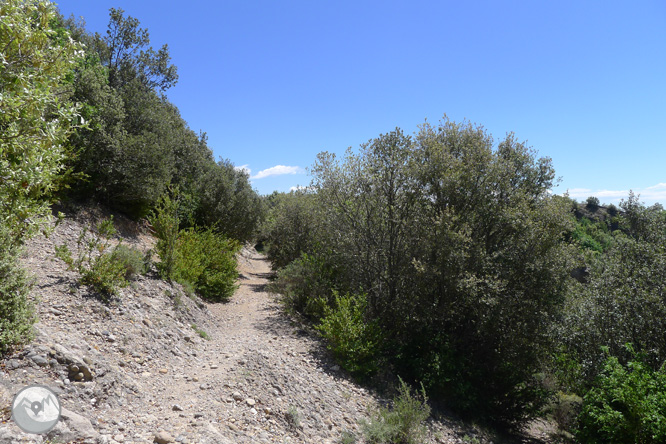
{"x":147,"y":374}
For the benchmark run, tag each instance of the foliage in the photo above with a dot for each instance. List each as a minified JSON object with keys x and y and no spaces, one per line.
{"x":592,"y":236}
{"x":626,"y":405}
{"x":592,"y":203}
{"x":137,"y":144}
{"x":457,"y":244}
{"x":207,"y":260}
{"x":565,"y":410}
{"x":99,"y":265}
{"x":624,"y":301}
{"x":16,"y":311}
{"x":198,"y":258}
{"x":291,"y":226}
{"x":305,"y":285}
{"x":404,"y":423}
{"x":132,"y":259}
{"x":347,"y":437}
{"x":35,"y":117}
{"x":127,"y":59}
{"x":36,"y":60}
{"x":227,"y":200}
{"x":165,"y":223}
{"x":354,"y":341}
{"x":293,"y":417}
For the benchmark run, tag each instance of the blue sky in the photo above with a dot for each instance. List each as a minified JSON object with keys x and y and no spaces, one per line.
{"x":275,"y":82}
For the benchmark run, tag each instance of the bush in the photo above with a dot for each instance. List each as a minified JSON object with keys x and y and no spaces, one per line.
{"x":622,"y":303}
{"x":16,"y":311}
{"x":627,"y":404}
{"x":290,"y":227}
{"x":132,"y":259}
{"x":305,"y":285}
{"x":207,"y":260}
{"x":402,"y":424}
{"x":354,"y":341}
{"x":96,"y":262}
{"x":566,"y":409}
{"x":165,"y":223}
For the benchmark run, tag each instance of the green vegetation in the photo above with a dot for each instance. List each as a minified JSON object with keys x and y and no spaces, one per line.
{"x":84,"y":116}
{"x":36,"y":119}
{"x":136,"y":145}
{"x":402,"y":424}
{"x":458,"y":249}
{"x":627,"y":404}
{"x":16,"y":312}
{"x":293,"y":417}
{"x":201,"y":259}
{"x":102,"y":267}
{"x":200,"y":332}
{"x":354,"y":341}
{"x":206,"y":260}
{"x":465,"y":264}
{"x":440,"y":256}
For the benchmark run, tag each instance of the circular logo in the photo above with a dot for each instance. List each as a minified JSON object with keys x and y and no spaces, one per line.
{"x":36,"y":409}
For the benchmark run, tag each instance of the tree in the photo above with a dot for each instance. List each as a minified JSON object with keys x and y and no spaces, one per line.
{"x":491,"y":271}
{"x":128,"y":59}
{"x":35,"y":115}
{"x":624,"y":300}
{"x":227,"y":200}
{"x":369,"y":202}
{"x":458,"y":246}
{"x":35,"y":120}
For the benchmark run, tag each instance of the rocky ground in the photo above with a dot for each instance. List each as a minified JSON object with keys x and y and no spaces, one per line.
{"x":154,"y":365}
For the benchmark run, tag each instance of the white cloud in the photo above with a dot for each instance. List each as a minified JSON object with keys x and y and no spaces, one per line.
{"x":655,"y":193}
{"x":244,"y":168}
{"x":298,"y":188}
{"x":277,"y":170}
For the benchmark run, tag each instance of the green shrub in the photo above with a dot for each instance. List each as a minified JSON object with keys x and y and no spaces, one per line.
{"x":218,"y":280}
{"x":626,"y":405}
{"x":354,"y":341}
{"x":16,"y":311}
{"x":622,"y":303}
{"x":403,"y":424}
{"x":347,"y":437}
{"x":293,"y":417}
{"x":132,"y":260}
{"x":165,"y":223}
{"x":207,"y":261}
{"x":290,"y":227}
{"x":200,"y":259}
{"x":305,"y":285}
{"x":96,"y":261}
{"x":566,"y":409}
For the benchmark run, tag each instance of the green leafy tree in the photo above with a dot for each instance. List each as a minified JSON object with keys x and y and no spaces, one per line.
{"x":35,"y":115}
{"x":624,"y":301}
{"x":458,"y":246}
{"x":36,"y":59}
{"x":291,"y":226}
{"x":227,"y":201}
{"x":129,"y":57}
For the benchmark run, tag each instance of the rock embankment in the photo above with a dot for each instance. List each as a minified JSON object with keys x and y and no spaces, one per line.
{"x":154,"y":365}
